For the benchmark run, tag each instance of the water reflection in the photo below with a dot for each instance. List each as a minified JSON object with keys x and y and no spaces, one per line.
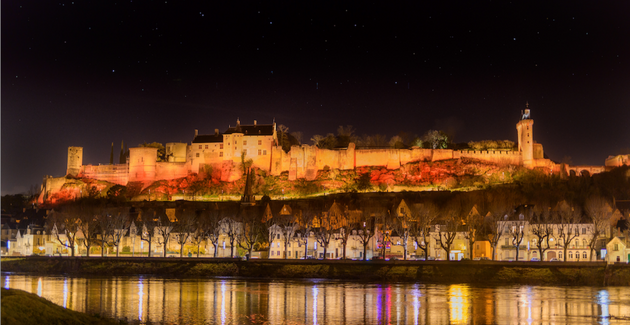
{"x":235,"y":301}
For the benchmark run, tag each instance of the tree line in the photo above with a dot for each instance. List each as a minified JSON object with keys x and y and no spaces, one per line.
{"x":501,"y":213}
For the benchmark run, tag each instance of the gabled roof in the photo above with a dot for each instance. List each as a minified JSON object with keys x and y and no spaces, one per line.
{"x":208,"y":138}
{"x":257,"y":129}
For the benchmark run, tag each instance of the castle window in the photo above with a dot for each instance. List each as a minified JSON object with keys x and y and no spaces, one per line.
{"x":527,"y":134}
{"x":221,"y":154}
{"x":244,"y":151}
{"x":197,"y":155}
{"x":235,"y":142}
{"x":221,"y":146}
{"x":259,"y":152}
{"x":259,"y":142}
{"x":199,"y":146}
{"x":206,"y":146}
{"x":244,"y":142}
{"x":264,"y":152}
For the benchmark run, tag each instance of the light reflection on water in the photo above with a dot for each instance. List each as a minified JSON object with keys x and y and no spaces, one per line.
{"x":238,"y":301}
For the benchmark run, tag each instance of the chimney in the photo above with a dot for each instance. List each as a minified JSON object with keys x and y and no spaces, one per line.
{"x":216,"y":131}
{"x":196,"y":132}
{"x":254,"y":122}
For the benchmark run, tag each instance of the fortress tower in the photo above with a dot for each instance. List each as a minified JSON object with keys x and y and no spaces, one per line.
{"x":142,"y":163}
{"x":525,"y":128}
{"x":75,"y":160}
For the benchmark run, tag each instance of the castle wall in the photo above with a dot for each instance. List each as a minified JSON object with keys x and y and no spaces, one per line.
{"x":376,"y":157}
{"x":171,"y":170}
{"x":617,"y":161}
{"x":493,"y":156}
{"x":441,"y":154}
{"x":538,"y":151}
{"x":117,"y":174}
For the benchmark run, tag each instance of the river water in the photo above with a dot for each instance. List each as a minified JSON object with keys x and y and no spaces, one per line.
{"x":158,"y":300}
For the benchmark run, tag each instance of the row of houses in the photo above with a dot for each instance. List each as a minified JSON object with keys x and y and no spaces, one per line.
{"x":330,"y":236}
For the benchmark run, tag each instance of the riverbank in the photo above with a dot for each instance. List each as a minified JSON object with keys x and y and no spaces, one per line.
{"x":21,"y":307}
{"x":472,"y":272}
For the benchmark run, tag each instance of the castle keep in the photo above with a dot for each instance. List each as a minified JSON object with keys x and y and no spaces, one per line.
{"x":224,"y":153}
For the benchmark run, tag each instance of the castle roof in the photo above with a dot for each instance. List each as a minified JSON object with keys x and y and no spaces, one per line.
{"x":205,"y":138}
{"x":252,"y":130}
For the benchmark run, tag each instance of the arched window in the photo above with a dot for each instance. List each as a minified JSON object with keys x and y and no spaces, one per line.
{"x":584,"y":255}
{"x":570,"y":255}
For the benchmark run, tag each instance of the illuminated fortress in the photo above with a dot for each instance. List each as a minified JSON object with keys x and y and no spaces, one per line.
{"x":224,"y":153}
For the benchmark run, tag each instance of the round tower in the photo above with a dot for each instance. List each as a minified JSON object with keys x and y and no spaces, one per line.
{"x":525,"y":128}
{"x":75,"y":160}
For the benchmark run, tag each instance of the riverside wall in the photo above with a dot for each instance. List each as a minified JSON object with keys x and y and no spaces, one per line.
{"x":473,"y":272}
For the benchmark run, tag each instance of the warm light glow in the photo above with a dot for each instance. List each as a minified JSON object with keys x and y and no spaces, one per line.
{"x":140,"y":297}
{"x":223,"y":312}
{"x":459,"y":304}
{"x":65,"y":293}
{"x":39,"y":287}
{"x":315,"y":291}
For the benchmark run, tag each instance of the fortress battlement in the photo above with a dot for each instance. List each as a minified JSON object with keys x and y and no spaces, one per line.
{"x":257,"y":144}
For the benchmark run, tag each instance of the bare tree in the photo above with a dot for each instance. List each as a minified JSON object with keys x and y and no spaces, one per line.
{"x":282,"y":130}
{"x":119,"y":225}
{"x":403,"y":225}
{"x":324,"y":229}
{"x":286,"y":225}
{"x":348,"y":220}
{"x":502,"y":204}
{"x":88,"y":225}
{"x":148,"y":227}
{"x":516,"y":230}
{"x":447,"y":228}
{"x":599,"y":213}
{"x":252,"y":230}
{"x":366,"y":227}
{"x":540,"y":224}
{"x":164,"y":228}
{"x":185,"y":227}
{"x":567,"y":219}
{"x":211,"y":226}
{"x":67,"y":221}
{"x":473,"y":225}
{"x":451,"y":223}
{"x":198,"y":236}
{"x":304,"y":226}
{"x":423,"y":216}
{"x":384,"y":226}
{"x":231,"y":228}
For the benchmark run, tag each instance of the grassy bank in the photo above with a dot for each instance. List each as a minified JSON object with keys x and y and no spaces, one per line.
{"x":20,"y":307}
{"x":473,"y":272}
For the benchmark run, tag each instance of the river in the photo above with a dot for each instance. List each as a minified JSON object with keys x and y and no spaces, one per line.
{"x":245,"y":301}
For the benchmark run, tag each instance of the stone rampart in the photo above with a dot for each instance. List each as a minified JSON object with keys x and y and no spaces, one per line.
{"x":117,"y":174}
{"x":510,"y":157}
{"x":171,"y":170}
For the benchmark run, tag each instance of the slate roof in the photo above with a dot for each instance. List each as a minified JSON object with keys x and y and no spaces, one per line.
{"x":206,"y":138}
{"x":258,"y":129}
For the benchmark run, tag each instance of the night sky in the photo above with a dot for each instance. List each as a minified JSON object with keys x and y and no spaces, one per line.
{"x":89,"y":73}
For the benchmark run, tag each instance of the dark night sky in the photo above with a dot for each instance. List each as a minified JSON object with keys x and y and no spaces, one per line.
{"x":89,"y":73}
